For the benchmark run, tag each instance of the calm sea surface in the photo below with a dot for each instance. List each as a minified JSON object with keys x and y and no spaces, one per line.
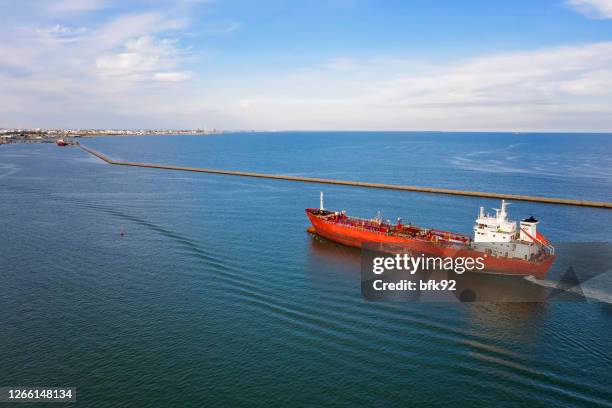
{"x":216,"y":294}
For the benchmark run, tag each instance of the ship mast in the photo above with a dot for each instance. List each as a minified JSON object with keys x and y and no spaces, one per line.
{"x":321,"y":202}
{"x":503,"y":213}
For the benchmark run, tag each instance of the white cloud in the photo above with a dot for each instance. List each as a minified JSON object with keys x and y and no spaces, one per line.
{"x":129,"y":26}
{"x":122,"y":70}
{"x":143,"y":58}
{"x":544,"y":76}
{"x":172,"y":76}
{"x":59,"y":33}
{"x":61,"y":75}
{"x":245,"y":103}
{"x":593,"y":8}
{"x":564,"y":88}
{"x":60,"y":29}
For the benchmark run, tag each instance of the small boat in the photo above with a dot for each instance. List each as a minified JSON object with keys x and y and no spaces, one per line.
{"x":61,"y":142}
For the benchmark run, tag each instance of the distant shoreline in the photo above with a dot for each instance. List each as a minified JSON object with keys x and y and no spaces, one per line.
{"x":21,"y":136}
{"x":143,"y":134}
{"x":9,"y":136}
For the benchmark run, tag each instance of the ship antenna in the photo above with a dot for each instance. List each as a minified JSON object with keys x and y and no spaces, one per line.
{"x":321,"y":202}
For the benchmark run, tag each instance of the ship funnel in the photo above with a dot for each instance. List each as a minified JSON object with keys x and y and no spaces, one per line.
{"x":321,"y":202}
{"x":529,"y":229}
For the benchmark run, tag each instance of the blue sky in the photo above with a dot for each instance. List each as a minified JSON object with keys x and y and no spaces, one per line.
{"x":344,"y":64}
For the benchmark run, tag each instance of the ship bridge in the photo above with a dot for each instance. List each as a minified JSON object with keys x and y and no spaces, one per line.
{"x":495,"y":228}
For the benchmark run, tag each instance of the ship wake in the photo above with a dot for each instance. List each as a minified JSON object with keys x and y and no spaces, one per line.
{"x":580,"y":291}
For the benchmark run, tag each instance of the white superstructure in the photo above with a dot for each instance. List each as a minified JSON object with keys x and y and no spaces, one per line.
{"x":497,"y":235}
{"x":495,"y":228}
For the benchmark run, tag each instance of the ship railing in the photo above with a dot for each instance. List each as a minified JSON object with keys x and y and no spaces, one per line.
{"x":550,"y":249}
{"x":364,"y":226}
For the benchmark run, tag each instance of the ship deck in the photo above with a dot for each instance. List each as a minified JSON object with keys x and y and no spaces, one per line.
{"x":379,"y":226}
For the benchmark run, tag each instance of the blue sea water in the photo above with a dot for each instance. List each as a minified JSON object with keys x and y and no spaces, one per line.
{"x":217,"y":296}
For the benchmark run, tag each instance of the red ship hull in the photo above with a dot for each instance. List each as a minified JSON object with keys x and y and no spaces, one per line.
{"x":347,"y":233}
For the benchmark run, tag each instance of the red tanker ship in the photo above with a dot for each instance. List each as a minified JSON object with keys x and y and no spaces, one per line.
{"x":505,"y":248}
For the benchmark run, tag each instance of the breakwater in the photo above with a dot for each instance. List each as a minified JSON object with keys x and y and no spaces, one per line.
{"x":433,"y":190}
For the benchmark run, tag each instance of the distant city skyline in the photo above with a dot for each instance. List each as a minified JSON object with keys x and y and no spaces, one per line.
{"x":316,"y":65}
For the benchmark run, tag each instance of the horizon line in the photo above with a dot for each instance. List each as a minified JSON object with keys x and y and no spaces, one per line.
{"x":220,"y":130}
